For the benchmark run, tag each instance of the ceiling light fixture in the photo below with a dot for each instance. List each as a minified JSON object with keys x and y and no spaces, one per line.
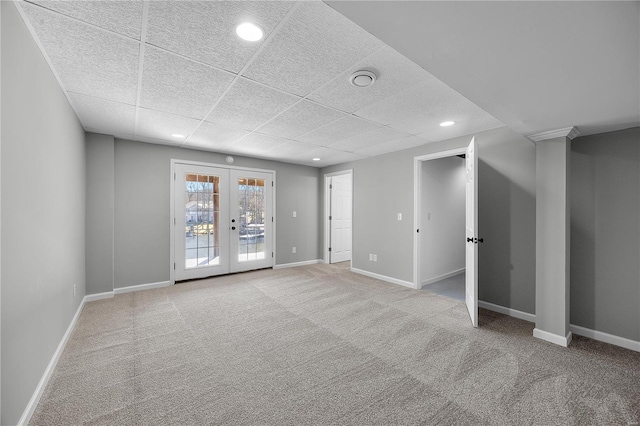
{"x":447,"y":123}
{"x":249,"y":32}
{"x":316,"y":159}
{"x":362,"y":78}
{"x":177,"y":135}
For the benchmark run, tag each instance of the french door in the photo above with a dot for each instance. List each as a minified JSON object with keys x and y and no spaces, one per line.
{"x":222,"y":220}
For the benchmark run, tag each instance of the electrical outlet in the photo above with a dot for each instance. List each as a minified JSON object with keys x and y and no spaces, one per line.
{"x":293,"y":250}
{"x":74,"y":291}
{"x":295,"y":214}
{"x":375,"y":257}
{"x":399,"y":216}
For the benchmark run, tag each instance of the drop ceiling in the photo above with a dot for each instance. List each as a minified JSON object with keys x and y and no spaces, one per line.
{"x":535,"y":65}
{"x":147,"y":70}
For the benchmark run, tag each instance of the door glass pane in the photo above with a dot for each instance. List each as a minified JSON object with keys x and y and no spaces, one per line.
{"x":201,"y":220}
{"x":251,"y":219}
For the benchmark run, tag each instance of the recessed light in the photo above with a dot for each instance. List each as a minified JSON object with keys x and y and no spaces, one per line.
{"x":316,"y":159}
{"x":177,"y":135}
{"x":447,"y":123}
{"x":249,"y":32}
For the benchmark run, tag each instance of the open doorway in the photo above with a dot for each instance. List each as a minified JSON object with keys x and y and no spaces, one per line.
{"x":338,"y":216}
{"x":442,"y":237}
{"x":433,"y":246}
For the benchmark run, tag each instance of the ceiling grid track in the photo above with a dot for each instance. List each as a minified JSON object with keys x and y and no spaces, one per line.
{"x":143,"y":40}
{"x":243,"y":70}
{"x":306,"y":98}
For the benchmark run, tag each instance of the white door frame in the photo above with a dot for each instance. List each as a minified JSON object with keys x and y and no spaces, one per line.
{"x":172,"y":257}
{"x":417,"y":204}
{"x":327,"y":212}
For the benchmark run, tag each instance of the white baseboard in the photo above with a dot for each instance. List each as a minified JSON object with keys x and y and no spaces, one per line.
{"x":99,"y":296}
{"x":552,"y":338}
{"x":442,"y":277}
{"x":384,"y":278}
{"x":37,"y":394}
{"x":294,"y":264}
{"x":574,"y":329}
{"x":507,"y":311}
{"x":605,"y":337}
{"x":141,"y":287}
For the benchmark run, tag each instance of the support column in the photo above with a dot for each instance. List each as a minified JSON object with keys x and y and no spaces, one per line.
{"x":553,"y":152}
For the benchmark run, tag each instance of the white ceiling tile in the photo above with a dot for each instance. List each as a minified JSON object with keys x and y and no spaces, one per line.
{"x":89,"y":61}
{"x":161,"y":125}
{"x":205,"y":30}
{"x":256,"y":143}
{"x":104,"y":116}
{"x":459,"y":110}
{"x":214,"y":136}
{"x":289,"y":149}
{"x":180,"y":86}
{"x":338,"y":130}
{"x":368,"y":139}
{"x":394,"y":73}
{"x":302,"y":118}
{"x":123,"y":17}
{"x":396,"y":145}
{"x":327,"y":156}
{"x":411,"y":104}
{"x":312,"y":47}
{"x":461,"y":128}
{"x":247,"y":105}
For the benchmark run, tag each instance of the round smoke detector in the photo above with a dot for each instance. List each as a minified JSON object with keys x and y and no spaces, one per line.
{"x":362,"y":78}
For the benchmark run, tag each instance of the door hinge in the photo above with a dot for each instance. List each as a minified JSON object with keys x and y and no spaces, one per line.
{"x":271,"y":218}
{"x":174,"y":176}
{"x":174,"y":220}
{"x":271,"y":254}
{"x":330,"y":218}
{"x":174,"y":266}
{"x":330,"y":186}
{"x":272,"y":183}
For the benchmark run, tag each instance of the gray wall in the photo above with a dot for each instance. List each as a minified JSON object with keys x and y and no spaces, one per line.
{"x":141,"y":208}
{"x":442,"y":228}
{"x":605,"y":233}
{"x":43,"y":217}
{"x":383,"y":186}
{"x":99,"y":221}
{"x":507,"y":221}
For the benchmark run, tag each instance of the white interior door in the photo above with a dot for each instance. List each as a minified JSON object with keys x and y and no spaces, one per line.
{"x":471,"y":285}
{"x":201,"y":215}
{"x":251,"y":220}
{"x":340,"y":218}
{"x":223,"y":221}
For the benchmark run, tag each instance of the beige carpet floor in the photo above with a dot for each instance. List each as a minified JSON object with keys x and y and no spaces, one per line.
{"x":321,"y":345}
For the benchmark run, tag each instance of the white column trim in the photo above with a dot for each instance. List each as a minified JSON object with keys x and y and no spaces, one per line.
{"x":552,"y":338}
{"x":567,"y":132}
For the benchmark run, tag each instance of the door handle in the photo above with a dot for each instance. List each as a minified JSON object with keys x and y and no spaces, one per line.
{"x":479,"y":240}
{"x":469,"y":240}
{"x":233,"y":228}
{"x":233,"y":221}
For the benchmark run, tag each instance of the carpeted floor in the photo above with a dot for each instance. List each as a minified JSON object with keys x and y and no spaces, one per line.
{"x":321,"y":345}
